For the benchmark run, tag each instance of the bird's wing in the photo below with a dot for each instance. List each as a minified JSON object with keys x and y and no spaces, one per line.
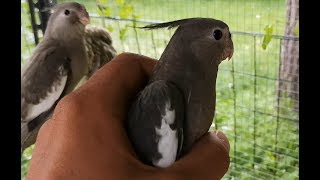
{"x":155,"y":123}
{"x":99,"y":48}
{"x":43,"y":81}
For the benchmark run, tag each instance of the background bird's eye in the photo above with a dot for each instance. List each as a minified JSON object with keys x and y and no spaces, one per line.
{"x":217,"y":34}
{"x":67,"y":12}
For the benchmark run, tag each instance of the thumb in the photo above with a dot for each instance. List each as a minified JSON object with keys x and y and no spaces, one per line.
{"x":224,"y":140}
{"x":208,"y":159}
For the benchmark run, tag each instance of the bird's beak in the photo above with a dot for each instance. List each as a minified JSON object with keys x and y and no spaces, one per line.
{"x":85,"y":21}
{"x":230,"y":54}
{"x":84,"y":17}
{"x":229,"y":50}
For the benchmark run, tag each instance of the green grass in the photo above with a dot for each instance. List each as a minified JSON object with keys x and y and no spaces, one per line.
{"x":264,"y":143}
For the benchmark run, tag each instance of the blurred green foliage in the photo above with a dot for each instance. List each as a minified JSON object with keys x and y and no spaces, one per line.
{"x":268,"y":29}
{"x":25,"y":159}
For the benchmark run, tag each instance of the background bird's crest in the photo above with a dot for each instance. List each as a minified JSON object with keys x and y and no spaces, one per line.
{"x":170,"y":24}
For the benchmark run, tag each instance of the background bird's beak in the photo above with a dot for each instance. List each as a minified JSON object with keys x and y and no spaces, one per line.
{"x":84,"y":21}
{"x":230,"y":54}
{"x":84,"y":17}
{"x":229,"y":50}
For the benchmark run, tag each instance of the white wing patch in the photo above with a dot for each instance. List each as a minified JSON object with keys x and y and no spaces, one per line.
{"x":57,"y":88}
{"x":168,"y":142}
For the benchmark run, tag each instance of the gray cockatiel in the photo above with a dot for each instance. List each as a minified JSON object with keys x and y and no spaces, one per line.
{"x":177,"y":106}
{"x":55,"y":68}
{"x":99,"y":50}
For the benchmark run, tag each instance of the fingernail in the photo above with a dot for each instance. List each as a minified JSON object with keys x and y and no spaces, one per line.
{"x":223,"y":138}
{"x":220,"y":135}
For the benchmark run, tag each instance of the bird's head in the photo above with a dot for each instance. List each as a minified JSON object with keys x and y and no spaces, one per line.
{"x":67,"y":19}
{"x":209,"y":40}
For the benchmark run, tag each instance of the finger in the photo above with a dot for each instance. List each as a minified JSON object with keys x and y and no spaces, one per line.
{"x":85,"y":133}
{"x":113,"y":86}
{"x":223,"y":138}
{"x":101,"y":105}
{"x":208,"y":159}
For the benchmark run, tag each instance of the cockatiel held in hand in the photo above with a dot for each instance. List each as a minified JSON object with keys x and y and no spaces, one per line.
{"x":55,"y":67}
{"x":177,"y":106}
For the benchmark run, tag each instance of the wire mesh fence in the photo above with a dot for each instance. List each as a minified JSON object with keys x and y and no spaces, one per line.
{"x":257,"y":91}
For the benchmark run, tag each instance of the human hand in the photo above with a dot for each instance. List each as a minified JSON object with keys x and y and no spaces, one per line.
{"x":86,"y":139}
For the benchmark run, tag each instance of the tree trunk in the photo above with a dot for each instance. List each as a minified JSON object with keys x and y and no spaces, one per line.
{"x":289,"y":70}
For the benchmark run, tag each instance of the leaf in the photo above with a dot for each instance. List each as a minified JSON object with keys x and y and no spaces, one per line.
{"x":134,"y":16}
{"x":126,"y":11}
{"x":296,"y":29}
{"x":268,"y":29}
{"x":24,"y":5}
{"x":29,"y":27}
{"x":270,"y":155}
{"x":100,"y":9}
{"x":134,"y":22}
{"x":120,"y":2}
{"x":103,"y":10}
{"x":25,"y":160}
{"x":102,"y":1}
{"x":123,"y":33}
{"x":110,"y":28}
{"x":100,"y":13}
{"x":107,"y":11}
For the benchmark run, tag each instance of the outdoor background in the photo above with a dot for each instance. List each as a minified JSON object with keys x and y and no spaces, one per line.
{"x":257,"y":90}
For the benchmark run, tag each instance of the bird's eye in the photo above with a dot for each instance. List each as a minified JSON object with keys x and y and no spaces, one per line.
{"x":217,"y":34}
{"x":67,"y":12}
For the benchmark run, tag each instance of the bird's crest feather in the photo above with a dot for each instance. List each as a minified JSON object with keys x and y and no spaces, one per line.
{"x":169,"y":25}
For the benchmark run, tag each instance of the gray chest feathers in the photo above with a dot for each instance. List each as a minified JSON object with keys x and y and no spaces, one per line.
{"x":155,"y":123}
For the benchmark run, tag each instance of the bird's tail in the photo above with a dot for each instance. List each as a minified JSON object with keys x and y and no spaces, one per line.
{"x":29,"y":130}
{"x":24,"y":134}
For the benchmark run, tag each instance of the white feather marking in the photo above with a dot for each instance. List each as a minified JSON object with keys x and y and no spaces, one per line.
{"x":169,"y":116}
{"x":189,"y":95}
{"x":46,"y":103}
{"x":168,"y":142}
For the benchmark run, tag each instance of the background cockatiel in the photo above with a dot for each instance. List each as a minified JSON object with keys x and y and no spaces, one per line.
{"x":99,"y":51}
{"x":177,"y":106}
{"x":55,"y":67}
